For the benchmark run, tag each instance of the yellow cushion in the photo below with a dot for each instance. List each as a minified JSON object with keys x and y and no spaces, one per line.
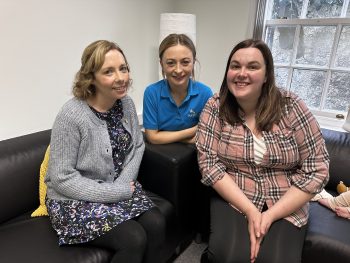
{"x":41,"y":210}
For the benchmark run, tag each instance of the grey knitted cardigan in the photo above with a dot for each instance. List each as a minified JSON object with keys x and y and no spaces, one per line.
{"x":81,"y":165}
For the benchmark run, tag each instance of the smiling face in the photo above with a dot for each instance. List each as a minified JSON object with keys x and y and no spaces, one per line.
{"x":112,"y":79}
{"x":177,"y":64}
{"x":246,"y":75}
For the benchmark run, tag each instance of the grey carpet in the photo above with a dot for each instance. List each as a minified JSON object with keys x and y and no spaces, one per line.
{"x":192,"y":254}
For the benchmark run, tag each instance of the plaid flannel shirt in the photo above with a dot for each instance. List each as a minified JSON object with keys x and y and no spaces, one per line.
{"x":296,"y":155}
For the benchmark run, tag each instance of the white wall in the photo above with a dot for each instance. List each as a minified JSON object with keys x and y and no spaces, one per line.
{"x":42,"y":41}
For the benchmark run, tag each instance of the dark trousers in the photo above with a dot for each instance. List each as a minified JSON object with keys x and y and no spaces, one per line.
{"x":136,"y":240}
{"x":229,"y":238}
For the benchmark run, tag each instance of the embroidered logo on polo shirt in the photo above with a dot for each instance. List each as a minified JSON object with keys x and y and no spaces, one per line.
{"x":192,"y":114}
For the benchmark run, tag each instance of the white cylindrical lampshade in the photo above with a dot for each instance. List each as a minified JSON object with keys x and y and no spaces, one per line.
{"x":178,"y":23}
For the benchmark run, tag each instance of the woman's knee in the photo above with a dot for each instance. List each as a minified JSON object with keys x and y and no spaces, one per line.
{"x":129,"y":235}
{"x":283,"y":243}
{"x":153,"y":222}
{"x":136,"y":238}
{"x":229,"y":238}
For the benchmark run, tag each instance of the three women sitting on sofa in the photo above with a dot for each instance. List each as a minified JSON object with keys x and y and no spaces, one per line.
{"x":259,"y":147}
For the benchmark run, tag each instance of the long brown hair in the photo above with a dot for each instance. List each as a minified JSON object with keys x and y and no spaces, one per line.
{"x":91,"y":61}
{"x":270,"y":103}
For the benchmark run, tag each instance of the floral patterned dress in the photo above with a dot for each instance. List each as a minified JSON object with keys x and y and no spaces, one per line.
{"x":77,"y":221}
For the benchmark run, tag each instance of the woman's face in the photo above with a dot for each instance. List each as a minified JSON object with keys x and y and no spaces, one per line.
{"x":112,"y":80}
{"x":177,"y":64}
{"x":246,"y":74}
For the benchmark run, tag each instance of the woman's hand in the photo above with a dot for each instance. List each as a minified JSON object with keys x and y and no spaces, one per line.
{"x":132,"y":184}
{"x":254,"y":218}
{"x":266,"y":221}
{"x":258,"y":226}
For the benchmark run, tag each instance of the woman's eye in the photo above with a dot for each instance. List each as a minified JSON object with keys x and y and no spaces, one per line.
{"x":170,"y":63}
{"x":124,"y":69}
{"x":234,"y":66}
{"x":185,"y":63}
{"x":253,"y":67}
{"x":108,"y":72}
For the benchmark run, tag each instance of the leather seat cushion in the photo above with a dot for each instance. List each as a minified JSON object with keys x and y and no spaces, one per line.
{"x":34,"y":240}
{"x":328,"y":236}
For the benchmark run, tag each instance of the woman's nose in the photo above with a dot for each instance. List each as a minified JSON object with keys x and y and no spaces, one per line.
{"x":178,"y":67}
{"x":242,"y":72}
{"x":119,"y":77}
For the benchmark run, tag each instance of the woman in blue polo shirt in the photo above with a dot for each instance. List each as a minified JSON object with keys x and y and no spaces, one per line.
{"x":171,"y":106}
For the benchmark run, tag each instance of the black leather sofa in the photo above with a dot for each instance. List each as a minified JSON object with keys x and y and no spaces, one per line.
{"x":165,"y":171}
{"x":171,"y":173}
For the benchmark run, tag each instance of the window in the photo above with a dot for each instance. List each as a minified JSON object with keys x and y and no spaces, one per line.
{"x":309,"y":40}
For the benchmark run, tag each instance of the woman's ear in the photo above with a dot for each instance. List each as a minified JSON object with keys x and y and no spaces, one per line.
{"x":161,"y":68}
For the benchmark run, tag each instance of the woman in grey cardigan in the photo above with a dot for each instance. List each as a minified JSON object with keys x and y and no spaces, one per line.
{"x":96,"y":150}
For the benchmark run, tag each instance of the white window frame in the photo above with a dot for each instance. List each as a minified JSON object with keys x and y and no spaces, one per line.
{"x":326,"y":118}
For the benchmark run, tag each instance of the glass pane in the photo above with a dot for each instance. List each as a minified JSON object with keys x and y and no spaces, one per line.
{"x":308,"y":84}
{"x":348,"y":12}
{"x":324,"y":8}
{"x":342,"y":58}
{"x":283,"y":9}
{"x":280,"y":40}
{"x":338,"y":95}
{"x":315,"y":44}
{"x":281,"y":76}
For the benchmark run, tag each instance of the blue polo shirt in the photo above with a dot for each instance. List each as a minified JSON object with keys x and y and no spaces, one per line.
{"x":160,"y":111}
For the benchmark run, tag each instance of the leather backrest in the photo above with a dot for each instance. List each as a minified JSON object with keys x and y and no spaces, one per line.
{"x":338,"y":146}
{"x":20,"y":160}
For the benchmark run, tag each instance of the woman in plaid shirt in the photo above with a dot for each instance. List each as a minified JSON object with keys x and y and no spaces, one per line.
{"x":262,"y":151}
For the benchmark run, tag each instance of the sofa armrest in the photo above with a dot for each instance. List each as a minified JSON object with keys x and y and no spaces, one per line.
{"x":20,"y":160}
{"x":171,"y":171}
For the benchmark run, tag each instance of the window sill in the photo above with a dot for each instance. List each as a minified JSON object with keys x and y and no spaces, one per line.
{"x":330,"y":123}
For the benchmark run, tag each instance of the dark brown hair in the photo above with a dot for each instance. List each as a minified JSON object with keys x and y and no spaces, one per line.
{"x":270,"y":103}
{"x":91,"y":61}
{"x":176,"y":39}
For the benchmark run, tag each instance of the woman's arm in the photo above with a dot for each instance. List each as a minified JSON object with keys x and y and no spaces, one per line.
{"x":290,"y":202}
{"x":313,"y":170}
{"x":229,"y":191}
{"x":163,"y":137}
